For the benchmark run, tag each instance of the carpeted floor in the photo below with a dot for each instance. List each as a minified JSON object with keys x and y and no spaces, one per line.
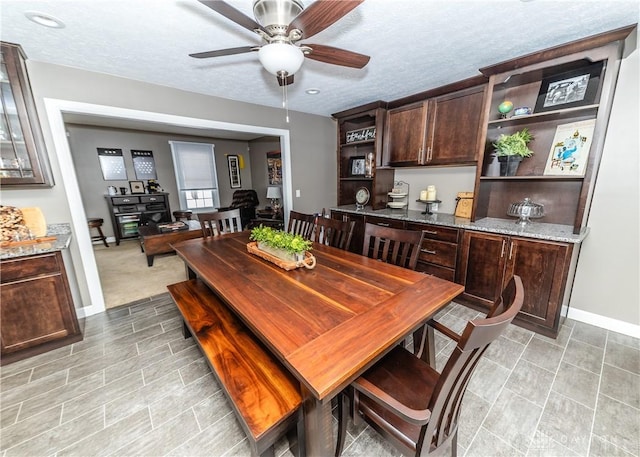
{"x":125,"y":276}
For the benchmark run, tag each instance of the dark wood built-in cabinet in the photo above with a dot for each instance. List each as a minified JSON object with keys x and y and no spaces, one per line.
{"x":523,"y":81}
{"x":439,"y":250}
{"x":487,"y":262}
{"x":457,"y":124}
{"x":37,"y":311}
{"x":128,"y":212}
{"x":381,"y":181}
{"x":442,"y":130}
{"x":23,"y":157}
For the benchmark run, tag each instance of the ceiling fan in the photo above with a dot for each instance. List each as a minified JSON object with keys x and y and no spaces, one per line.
{"x":282,"y":24}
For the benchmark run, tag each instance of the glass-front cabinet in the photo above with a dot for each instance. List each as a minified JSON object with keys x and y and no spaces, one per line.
{"x":23,"y":158}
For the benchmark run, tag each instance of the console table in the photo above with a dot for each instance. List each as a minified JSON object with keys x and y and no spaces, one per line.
{"x":129,"y":212}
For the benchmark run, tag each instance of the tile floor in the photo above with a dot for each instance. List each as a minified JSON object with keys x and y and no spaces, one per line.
{"x":135,"y":387}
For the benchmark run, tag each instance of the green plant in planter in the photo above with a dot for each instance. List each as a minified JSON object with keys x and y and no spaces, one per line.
{"x":514,"y":144}
{"x":279,"y":239}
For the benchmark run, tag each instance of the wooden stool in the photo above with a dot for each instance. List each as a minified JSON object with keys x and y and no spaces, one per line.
{"x":182,"y":214}
{"x":96,"y":223}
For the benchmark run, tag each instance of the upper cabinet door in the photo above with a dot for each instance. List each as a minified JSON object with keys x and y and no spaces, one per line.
{"x":439,"y":131}
{"x":455,"y":125}
{"x":23,"y":158}
{"x":405,"y":135}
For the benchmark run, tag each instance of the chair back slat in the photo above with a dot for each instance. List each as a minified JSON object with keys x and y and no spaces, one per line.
{"x":333,"y":232}
{"x":448,"y":393}
{"x":220,"y":222}
{"x":301,"y":224}
{"x":392,"y":245}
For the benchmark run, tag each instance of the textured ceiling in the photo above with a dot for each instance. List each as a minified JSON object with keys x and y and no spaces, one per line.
{"x":414,"y":45}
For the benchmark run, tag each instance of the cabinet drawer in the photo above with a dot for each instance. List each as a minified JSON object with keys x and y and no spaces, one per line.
{"x":440,"y":272}
{"x":385,"y":222}
{"x":436,"y":232}
{"x":21,"y":268}
{"x":439,"y":253}
{"x":152,"y":199}
{"x":125,"y":200}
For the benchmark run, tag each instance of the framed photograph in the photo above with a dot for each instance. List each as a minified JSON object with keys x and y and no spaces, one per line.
{"x":570,"y":149}
{"x":569,"y":89}
{"x":357,"y":166}
{"x":234,"y":171}
{"x":274,"y":168}
{"x":137,"y":187}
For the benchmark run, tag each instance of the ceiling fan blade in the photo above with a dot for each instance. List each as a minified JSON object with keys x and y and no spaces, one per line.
{"x":287,"y":81}
{"x":224,"y":52}
{"x":320,"y":15}
{"x":336,"y":56}
{"x":232,"y":14}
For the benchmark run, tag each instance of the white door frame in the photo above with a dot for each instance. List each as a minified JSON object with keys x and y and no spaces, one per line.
{"x":56,"y":109}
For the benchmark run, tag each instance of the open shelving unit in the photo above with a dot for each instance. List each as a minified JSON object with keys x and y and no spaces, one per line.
{"x":380,"y":182}
{"x":522,"y":81}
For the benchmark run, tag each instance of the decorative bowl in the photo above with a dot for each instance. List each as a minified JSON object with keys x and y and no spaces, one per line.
{"x":522,"y":111}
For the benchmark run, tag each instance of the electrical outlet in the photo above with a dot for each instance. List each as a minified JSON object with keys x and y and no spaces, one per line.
{"x":297,"y":193}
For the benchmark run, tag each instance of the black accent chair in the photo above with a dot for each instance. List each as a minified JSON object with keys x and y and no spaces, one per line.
{"x":246,"y":201}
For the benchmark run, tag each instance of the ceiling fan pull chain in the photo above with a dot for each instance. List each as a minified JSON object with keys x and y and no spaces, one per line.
{"x":285,"y":101}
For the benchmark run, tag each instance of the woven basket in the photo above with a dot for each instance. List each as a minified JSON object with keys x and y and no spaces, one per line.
{"x":309,"y":260}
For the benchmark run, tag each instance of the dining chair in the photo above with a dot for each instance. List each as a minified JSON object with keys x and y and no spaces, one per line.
{"x":333,"y":232}
{"x":392,"y":245}
{"x":301,"y":224}
{"x":412,"y":405}
{"x":220,"y":222}
{"x":396,"y":246}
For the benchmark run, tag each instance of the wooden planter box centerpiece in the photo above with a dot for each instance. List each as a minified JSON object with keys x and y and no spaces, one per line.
{"x":283,"y":249}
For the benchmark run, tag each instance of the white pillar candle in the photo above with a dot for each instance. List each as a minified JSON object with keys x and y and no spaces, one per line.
{"x":423,"y":195}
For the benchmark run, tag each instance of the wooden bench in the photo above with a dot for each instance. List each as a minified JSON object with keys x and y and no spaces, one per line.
{"x":264,"y":395}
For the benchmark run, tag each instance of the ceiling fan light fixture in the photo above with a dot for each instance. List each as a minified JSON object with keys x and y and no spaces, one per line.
{"x":281,"y":59}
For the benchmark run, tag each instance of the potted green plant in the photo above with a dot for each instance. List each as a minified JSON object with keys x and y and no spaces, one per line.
{"x":284,"y":245}
{"x":511,"y":149}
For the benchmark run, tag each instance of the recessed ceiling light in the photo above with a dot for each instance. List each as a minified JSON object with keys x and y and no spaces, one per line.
{"x":312,"y":91}
{"x":44,"y":19}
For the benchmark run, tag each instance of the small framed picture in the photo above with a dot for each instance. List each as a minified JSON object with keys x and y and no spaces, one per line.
{"x":573,"y":88}
{"x":137,"y":187}
{"x":357,"y":166}
{"x":234,"y":171}
{"x":569,"y":152}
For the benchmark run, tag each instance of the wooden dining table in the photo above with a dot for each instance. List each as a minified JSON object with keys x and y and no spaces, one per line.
{"x":326,"y":325}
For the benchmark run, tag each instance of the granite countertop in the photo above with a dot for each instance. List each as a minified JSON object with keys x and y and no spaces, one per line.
{"x":62,"y":232}
{"x":539,"y":230}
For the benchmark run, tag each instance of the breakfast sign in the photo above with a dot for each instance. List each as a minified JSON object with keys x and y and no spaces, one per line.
{"x":364,"y":134}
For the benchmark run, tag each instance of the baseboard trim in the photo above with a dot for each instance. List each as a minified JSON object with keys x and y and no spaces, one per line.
{"x":608,"y":323}
{"x":87,"y":311}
